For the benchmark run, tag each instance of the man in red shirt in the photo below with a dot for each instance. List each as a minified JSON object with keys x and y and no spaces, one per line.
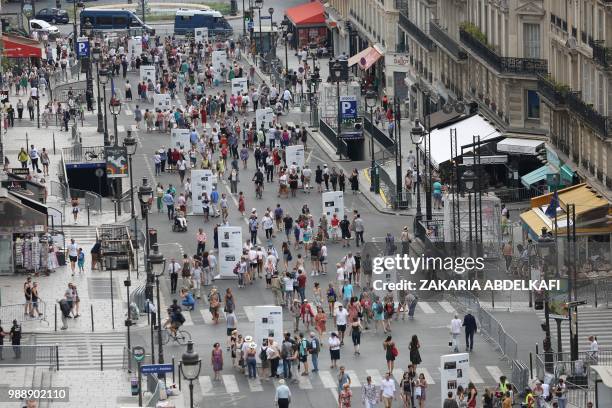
{"x":301,"y":279}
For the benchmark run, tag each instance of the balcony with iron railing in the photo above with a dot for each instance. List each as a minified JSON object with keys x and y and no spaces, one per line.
{"x":441,"y":36}
{"x":555,"y":93}
{"x":602,"y":54}
{"x":504,"y":65}
{"x":414,"y":31}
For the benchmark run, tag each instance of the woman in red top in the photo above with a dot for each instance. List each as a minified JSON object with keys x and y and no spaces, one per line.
{"x":277,"y":160}
{"x":241,"y":205}
{"x":203,"y":114}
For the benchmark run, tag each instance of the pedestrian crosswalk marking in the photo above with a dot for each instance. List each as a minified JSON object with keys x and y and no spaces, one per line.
{"x":188,"y":320}
{"x":327,"y":379}
{"x":255,"y":385}
{"x":495,"y":372}
{"x":304,"y":382}
{"x":250,"y":313}
{"x":207,"y":316}
{"x":425,"y":372}
{"x":231,"y":386}
{"x":426,"y":308}
{"x":398,"y":374}
{"x":206,"y":385}
{"x":376,"y":377}
{"x":474,"y":376}
{"x":447,"y":307}
{"x":354,"y":379}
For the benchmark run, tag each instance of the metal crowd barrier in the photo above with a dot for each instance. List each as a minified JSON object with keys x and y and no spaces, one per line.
{"x":29,"y":355}
{"x":520,"y":375}
{"x":8,"y":313}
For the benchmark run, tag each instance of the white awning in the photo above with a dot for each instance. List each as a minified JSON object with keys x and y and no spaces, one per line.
{"x":519,"y":146}
{"x":605,"y":373}
{"x":474,"y":125}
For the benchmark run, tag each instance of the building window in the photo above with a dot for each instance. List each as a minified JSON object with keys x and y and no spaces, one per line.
{"x":533,"y":105}
{"x":531,"y":40}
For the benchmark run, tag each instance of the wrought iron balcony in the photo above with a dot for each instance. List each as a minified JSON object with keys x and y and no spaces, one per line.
{"x":445,"y":40}
{"x":589,"y":115}
{"x":505,"y":65}
{"x":414,"y":31}
{"x":552,"y":92}
{"x":602,"y":54}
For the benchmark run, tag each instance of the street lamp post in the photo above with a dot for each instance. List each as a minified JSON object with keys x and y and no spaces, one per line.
{"x":285,"y":26}
{"x":417,"y":138}
{"x":398,"y":152}
{"x":190,"y":368}
{"x":96,"y":54}
{"x":258,"y":5}
{"x":131,"y":145}
{"x":370,"y":100}
{"x":103,"y":78}
{"x":76,"y":5}
{"x":157,"y":266}
{"x":469,"y":178}
{"x":272,"y":47}
{"x":115,"y":109}
{"x":336,"y":70}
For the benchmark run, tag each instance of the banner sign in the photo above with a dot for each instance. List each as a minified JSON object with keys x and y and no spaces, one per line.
{"x":116,"y":161}
{"x":201,"y":183}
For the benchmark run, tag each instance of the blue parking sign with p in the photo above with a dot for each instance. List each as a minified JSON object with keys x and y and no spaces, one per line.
{"x":348,"y":107}
{"x":83,"y":47}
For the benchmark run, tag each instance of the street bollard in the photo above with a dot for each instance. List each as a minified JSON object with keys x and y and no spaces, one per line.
{"x":530,"y":365}
{"x":53,"y":142}
{"x":57,"y":357}
{"x":179,"y":377}
{"x":88,"y":221}
{"x":27,"y":142}
{"x":55,"y":310}
{"x":173,"y":378}
{"x":101,"y":357}
{"x":92,"y":318}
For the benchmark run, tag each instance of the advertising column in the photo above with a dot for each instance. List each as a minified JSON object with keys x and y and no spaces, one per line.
{"x":230,"y":251}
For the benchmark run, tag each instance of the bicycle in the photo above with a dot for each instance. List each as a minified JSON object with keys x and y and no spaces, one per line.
{"x":181,"y":336}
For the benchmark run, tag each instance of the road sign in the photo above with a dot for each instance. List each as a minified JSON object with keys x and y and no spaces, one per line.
{"x":83,"y":47}
{"x":251,"y":25}
{"x":100,"y":173}
{"x":348,"y":107}
{"x":138,"y":352}
{"x":156,"y":368}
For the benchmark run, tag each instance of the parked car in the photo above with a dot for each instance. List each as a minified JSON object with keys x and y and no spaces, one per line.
{"x":41,"y":25}
{"x":53,"y":15}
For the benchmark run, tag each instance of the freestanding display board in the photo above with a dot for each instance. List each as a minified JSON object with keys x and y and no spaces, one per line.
{"x":162,"y":101}
{"x":147,"y":73}
{"x":454,"y":372}
{"x":201,"y":182}
{"x":180,"y":138}
{"x":264,"y":117}
{"x":135,"y":49}
{"x":333,"y":203}
{"x":219,"y":60}
{"x":201,"y":35}
{"x":230,"y":251}
{"x":295,"y":154}
{"x":240,"y":86}
{"x":268,"y":323}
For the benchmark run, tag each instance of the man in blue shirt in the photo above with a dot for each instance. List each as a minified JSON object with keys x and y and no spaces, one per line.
{"x":283,"y":395}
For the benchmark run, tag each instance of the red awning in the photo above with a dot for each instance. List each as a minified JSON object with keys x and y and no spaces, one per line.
{"x":21,"y":47}
{"x":366,"y":58}
{"x":307,"y":14}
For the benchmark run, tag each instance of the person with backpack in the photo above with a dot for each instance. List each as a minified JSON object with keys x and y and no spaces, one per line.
{"x":314,"y":348}
{"x":389,"y":311}
{"x":287,"y":354}
{"x":378,"y":313}
{"x":303,"y":350}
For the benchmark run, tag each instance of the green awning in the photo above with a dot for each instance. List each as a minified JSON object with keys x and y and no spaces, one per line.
{"x":567,"y":175}
{"x":538,"y":175}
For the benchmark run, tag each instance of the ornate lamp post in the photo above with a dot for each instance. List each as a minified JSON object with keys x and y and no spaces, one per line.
{"x":157,"y":266}
{"x":371,"y":98}
{"x":103,"y":76}
{"x":190,"y":368}
{"x":416,"y":134}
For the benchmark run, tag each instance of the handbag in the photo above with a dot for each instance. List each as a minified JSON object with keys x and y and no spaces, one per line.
{"x":417,"y":392}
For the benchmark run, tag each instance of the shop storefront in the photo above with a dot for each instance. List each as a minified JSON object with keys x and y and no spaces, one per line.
{"x":308,"y":25}
{"x":25,"y":246}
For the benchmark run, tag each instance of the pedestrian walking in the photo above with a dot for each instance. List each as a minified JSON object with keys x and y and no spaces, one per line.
{"x":369,"y":393}
{"x":344,"y":397}
{"x":455,"y":330}
{"x":387,"y":391}
{"x":174,"y":269}
{"x":216,"y":360}
{"x":391,"y":353}
{"x":15,"y":333}
{"x":469,"y":322}
{"x":73,"y":253}
{"x":415,"y":354}
{"x":334,"y":349}
{"x":282,"y":396}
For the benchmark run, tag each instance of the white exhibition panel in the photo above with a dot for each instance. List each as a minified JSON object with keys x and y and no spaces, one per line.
{"x":180,"y":138}
{"x":230,"y":251}
{"x":264,"y":116}
{"x":135,"y":49}
{"x":201,"y":182}
{"x":219,"y":60}
{"x":475,"y":125}
{"x":161,"y":101}
{"x":295,"y":155}
{"x":454,"y":372}
{"x":201,"y":35}
{"x":268,"y":323}
{"x":240,"y":86}
{"x":333,"y":203}
{"x":519,"y":146}
{"x":147,"y":73}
